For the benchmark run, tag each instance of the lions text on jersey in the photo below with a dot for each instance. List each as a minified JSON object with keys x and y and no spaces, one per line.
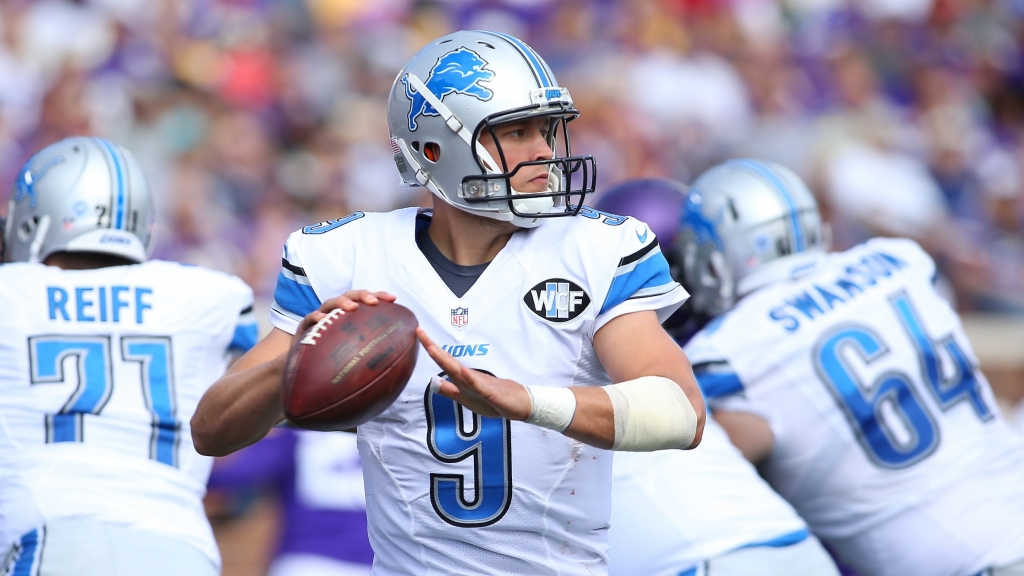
{"x":674,"y":509}
{"x":100,"y":372}
{"x":448,"y":491}
{"x":887,"y":437}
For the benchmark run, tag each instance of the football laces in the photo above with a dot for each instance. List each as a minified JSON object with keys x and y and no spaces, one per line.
{"x":314,"y":332}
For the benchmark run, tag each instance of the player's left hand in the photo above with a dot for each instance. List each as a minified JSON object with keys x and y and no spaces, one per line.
{"x":480,"y":392}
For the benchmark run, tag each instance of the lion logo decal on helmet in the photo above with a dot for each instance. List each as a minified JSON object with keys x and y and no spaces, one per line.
{"x":704,"y":228}
{"x":26,"y":182}
{"x":457,"y":72}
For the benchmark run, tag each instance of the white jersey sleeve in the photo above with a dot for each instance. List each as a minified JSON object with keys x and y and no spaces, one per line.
{"x":720,"y":382}
{"x":641,"y":280}
{"x":296,"y":294}
{"x":100,"y":373}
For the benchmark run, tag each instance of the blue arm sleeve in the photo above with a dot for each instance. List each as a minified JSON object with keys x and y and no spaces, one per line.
{"x":717,"y":379}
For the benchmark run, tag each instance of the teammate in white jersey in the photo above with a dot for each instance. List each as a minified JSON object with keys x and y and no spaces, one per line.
{"x":705,"y":511}
{"x":568,"y":306}
{"x":103,"y":358}
{"x":850,"y":380}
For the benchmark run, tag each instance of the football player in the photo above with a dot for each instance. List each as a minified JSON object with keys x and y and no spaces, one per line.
{"x":850,"y":381}
{"x":546,"y":348}
{"x":103,"y":358}
{"x":704,"y":511}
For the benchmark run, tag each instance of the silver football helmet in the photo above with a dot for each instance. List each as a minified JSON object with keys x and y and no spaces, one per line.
{"x":745,"y":224}
{"x":79,"y":195}
{"x":453,"y":90}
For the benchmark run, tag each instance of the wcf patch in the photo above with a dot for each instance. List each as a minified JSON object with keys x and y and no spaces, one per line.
{"x":557,"y":300}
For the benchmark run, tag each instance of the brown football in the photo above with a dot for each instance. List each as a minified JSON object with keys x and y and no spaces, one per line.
{"x":349,"y":367}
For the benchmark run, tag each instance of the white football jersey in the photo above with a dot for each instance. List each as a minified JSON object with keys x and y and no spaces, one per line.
{"x":888,"y":440}
{"x":448,"y":491}
{"x":673,"y":509}
{"x":100,"y":373}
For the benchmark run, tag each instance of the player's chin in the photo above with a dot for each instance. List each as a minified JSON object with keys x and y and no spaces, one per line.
{"x":534,"y":186}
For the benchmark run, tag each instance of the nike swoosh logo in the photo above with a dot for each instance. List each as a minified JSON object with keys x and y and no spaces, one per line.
{"x":643,"y":238}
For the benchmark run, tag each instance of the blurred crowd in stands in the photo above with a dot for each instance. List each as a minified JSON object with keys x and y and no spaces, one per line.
{"x":255,"y":117}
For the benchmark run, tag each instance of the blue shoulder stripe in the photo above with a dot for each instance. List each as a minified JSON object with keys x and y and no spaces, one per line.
{"x":717,"y":383}
{"x":299,"y":299}
{"x":30,"y":548}
{"x":244,"y":337}
{"x":647,"y":274}
{"x":783,"y":540}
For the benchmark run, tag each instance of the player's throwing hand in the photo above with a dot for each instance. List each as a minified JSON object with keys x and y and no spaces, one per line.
{"x":479,"y":391}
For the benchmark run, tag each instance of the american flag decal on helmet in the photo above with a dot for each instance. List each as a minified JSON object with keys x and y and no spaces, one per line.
{"x":394,"y":147}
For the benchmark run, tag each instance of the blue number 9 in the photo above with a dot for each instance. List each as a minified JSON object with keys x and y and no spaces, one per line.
{"x":488,"y":443}
{"x":607,"y":217}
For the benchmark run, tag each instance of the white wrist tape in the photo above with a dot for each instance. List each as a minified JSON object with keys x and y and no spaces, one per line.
{"x":551,"y":407}
{"x":651,"y":413}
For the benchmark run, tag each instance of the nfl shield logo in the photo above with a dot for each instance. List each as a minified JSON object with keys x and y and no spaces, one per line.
{"x":460,"y":317}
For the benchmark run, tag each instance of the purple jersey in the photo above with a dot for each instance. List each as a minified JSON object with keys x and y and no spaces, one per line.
{"x":319,"y":480}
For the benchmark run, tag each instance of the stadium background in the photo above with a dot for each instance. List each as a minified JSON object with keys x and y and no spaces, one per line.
{"x":254,"y":117}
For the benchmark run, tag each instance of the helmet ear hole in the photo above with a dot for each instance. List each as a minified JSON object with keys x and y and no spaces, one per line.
{"x":732,"y":210}
{"x":782,"y":247}
{"x":25,"y":230}
{"x":416,"y":145}
{"x":432,"y":151}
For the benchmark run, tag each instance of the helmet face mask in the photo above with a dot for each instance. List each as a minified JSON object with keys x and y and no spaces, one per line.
{"x":561,"y":168}
{"x":466,"y":85}
{"x":746,"y":224}
{"x":707,"y":276}
{"x":79,"y":195}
